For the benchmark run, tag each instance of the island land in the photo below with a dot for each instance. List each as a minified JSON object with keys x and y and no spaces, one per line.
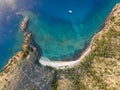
{"x":98,"y":68}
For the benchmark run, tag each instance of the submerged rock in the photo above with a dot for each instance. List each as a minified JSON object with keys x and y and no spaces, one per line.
{"x":24,"y":26}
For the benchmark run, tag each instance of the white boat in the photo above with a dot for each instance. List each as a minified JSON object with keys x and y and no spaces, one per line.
{"x":70,"y":11}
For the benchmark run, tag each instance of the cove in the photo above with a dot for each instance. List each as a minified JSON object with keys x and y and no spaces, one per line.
{"x":60,"y":34}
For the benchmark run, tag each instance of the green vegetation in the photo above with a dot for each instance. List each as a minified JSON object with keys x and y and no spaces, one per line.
{"x":32,"y":88}
{"x":50,"y":67}
{"x":112,"y":18}
{"x":25,"y":53}
{"x":37,"y":63}
{"x":6,"y":70}
{"x":99,"y":70}
{"x":54,"y":83}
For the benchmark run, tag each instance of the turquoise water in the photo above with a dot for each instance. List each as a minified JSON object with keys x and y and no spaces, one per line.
{"x":60,"y":34}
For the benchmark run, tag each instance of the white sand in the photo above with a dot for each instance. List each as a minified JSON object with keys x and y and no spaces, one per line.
{"x":67,"y":64}
{"x":63,"y":64}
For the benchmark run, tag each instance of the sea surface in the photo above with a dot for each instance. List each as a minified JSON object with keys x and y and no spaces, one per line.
{"x":62,"y":28}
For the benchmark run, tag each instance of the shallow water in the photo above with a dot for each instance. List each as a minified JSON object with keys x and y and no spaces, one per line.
{"x":60,"y":34}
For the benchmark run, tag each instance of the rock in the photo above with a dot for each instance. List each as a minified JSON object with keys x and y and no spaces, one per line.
{"x":23,"y":72}
{"x":24,"y":26}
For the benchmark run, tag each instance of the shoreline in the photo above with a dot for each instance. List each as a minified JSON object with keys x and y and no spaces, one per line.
{"x":69,"y":64}
{"x":64,"y":64}
{"x":28,"y":45}
{"x":96,"y":66}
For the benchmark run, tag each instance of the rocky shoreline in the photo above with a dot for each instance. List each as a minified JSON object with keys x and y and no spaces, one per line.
{"x":70,"y":64}
{"x":24,"y":72}
{"x":100,"y":69}
{"x":57,"y":64}
{"x":28,"y":44}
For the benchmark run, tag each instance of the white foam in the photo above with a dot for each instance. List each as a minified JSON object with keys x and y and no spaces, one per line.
{"x":63,"y":64}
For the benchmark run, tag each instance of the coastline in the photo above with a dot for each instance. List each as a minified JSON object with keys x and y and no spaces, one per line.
{"x":64,"y":64}
{"x":23,"y":72}
{"x":69,"y":64}
{"x":97,"y":66}
{"x":28,"y":45}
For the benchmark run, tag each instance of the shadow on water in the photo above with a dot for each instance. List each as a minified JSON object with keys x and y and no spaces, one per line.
{"x":39,"y":50}
{"x":78,"y":53}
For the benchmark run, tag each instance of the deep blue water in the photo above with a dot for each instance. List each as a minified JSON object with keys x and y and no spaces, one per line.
{"x":60,"y":34}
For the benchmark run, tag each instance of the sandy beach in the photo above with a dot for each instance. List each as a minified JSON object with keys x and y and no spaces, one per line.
{"x":64,"y":64}
{"x":68,"y":64}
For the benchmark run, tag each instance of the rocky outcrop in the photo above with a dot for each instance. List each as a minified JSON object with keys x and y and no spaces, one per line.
{"x":23,"y":72}
{"x":24,"y":26}
{"x":100,"y":70}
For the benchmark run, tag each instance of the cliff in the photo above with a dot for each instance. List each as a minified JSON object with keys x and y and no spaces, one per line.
{"x":100,"y":70}
{"x":23,"y":72}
